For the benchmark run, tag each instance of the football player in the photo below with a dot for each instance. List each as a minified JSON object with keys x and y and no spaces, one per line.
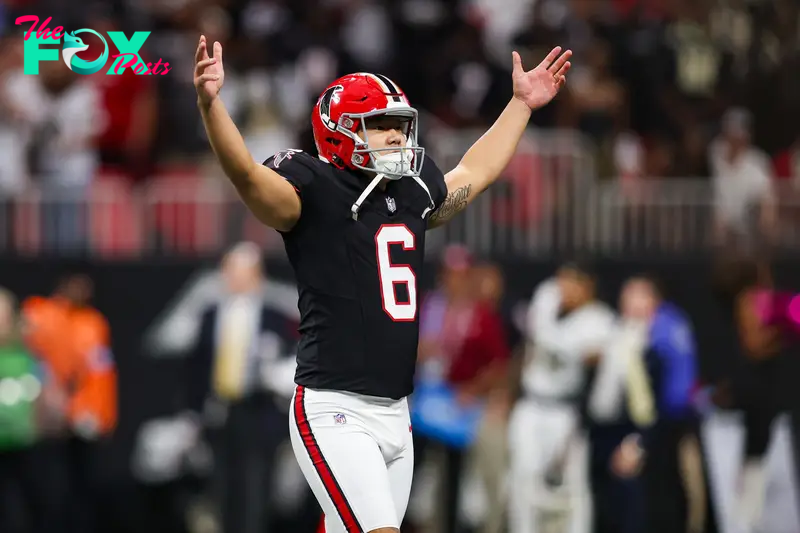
{"x":353,"y":218}
{"x":567,"y":329}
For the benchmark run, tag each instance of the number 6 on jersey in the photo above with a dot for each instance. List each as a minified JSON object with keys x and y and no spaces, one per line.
{"x":391,"y":275}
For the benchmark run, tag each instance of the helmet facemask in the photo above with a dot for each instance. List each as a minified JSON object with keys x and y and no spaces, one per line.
{"x":392,"y":162}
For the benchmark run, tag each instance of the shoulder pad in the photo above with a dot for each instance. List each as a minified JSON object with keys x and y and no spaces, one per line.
{"x":286,"y":158}
{"x":296,"y":166}
{"x":282,"y":156}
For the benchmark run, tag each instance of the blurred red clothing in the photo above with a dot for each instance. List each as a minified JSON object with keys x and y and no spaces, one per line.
{"x":125,"y":102}
{"x":474,"y":338}
{"x":120,"y":94}
{"x":787,"y":164}
{"x":649,"y":8}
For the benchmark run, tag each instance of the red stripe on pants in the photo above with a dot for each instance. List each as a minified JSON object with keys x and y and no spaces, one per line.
{"x":321,"y":465}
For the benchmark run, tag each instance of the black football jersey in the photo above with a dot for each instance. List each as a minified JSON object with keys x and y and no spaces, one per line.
{"x":357,"y":279}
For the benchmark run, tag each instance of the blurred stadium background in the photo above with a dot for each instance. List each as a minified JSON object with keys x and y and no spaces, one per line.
{"x":111,"y":178}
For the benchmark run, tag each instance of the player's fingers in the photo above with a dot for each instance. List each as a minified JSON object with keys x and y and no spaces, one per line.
{"x":517,"y":61}
{"x":547,"y":61}
{"x":561,"y":82}
{"x":201,"y":46}
{"x":560,"y":62}
{"x":563,"y":70}
{"x":203,"y":78}
{"x":218,"y":51}
{"x":201,"y":66}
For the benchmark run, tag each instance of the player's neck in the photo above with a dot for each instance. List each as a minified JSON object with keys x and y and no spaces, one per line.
{"x":370,"y":175}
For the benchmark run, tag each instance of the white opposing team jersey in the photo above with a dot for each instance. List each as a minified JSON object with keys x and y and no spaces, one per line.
{"x":557,"y":347}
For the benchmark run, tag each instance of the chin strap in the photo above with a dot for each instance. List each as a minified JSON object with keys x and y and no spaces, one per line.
{"x":374,"y":183}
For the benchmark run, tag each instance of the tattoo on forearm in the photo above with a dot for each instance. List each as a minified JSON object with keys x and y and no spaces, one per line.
{"x":455,"y":202}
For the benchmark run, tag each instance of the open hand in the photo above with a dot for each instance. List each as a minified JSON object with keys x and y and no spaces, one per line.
{"x":208,"y":72}
{"x":538,"y":86}
{"x":628,"y":459}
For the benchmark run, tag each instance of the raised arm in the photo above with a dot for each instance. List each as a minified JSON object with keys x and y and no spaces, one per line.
{"x":486,"y":159}
{"x":271,"y":198}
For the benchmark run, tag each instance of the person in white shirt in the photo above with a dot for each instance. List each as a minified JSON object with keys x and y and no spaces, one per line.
{"x":744,"y":199}
{"x":567,"y":330}
{"x":62,"y":116}
{"x":13,"y":120}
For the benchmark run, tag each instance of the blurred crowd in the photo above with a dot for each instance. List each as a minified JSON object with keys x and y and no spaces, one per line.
{"x":575,"y":412}
{"x":688,"y":89}
{"x":571,"y":409}
{"x":565,"y":413}
{"x":58,"y":405}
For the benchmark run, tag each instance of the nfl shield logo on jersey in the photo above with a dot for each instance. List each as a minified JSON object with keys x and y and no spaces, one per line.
{"x":339,"y":418}
{"x":391,"y":205}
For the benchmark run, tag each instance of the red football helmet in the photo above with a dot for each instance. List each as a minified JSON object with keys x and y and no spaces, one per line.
{"x":339,"y":118}
{"x":340,"y":122}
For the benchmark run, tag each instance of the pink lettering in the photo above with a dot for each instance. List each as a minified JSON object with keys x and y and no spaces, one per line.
{"x":43,"y":32}
{"x":129,"y":62}
{"x":27,"y":18}
{"x":155,"y":68}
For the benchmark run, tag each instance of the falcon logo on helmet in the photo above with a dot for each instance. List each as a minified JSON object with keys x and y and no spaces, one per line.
{"x":340,"y":121}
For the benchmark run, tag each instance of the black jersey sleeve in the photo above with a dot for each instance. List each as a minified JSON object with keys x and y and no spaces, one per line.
{"x":295,"y":167}
{"x":434,"y":179}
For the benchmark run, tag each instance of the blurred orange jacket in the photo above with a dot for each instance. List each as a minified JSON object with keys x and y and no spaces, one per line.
{"x":75,"y":343}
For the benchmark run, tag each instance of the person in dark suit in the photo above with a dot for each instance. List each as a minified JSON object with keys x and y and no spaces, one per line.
{"x":239,"y":388}
{"x":647,"y":471}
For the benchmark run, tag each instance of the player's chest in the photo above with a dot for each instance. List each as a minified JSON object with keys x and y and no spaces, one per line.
{"x":393,"y":218}
{"x":378,"y":236}
{"x":396,"y":200}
